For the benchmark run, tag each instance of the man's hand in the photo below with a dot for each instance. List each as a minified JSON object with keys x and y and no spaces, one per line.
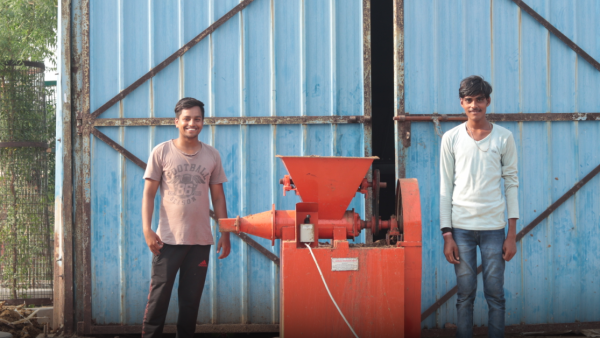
{"x":451,"y":250}
{"x":153,"y":241}
{"x":509,"y":249}
{"x":224,"y":245}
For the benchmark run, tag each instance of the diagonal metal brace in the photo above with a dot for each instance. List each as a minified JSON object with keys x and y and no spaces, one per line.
{"x":251,"y":242}
{"x":119,"y":148}
{"x":558,"y":34}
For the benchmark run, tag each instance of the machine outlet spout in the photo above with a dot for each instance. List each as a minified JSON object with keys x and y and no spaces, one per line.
{"x":269,"y":224}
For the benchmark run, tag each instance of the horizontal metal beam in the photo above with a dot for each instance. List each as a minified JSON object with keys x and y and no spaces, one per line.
{"x":23,"y":144}
{"x":519,"y":117}
{"x":171,"y":58}
{"x":28,"y":301}
{"x":545,"y":330}
{"x":558,"y":34}
{"x":203,"y":328}
{"x":520,"y":235}
{"x":218,"y":121}
{"x":260,"y":328}
{"x":11,"y":63}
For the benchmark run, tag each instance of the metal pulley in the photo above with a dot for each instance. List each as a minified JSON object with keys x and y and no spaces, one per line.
{"x":398,"y":204}
{"x":393,"y":226}
{"x":395,"y":232}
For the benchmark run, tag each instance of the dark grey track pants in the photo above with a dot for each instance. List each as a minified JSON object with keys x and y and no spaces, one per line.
{"x":192,"y":261}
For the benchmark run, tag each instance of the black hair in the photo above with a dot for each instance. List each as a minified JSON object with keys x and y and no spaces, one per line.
{"x":187,"y":103}
{"x":473,"y":86}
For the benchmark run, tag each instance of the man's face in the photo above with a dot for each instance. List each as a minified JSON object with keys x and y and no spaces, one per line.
{"x":190,"y":122}
{"x":475,"y":106}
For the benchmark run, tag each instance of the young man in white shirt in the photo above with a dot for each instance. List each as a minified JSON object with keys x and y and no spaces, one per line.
{"x":474,"y":157}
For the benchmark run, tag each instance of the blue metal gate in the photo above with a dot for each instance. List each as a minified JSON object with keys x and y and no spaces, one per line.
{"x":546,"y":93}
{"x":285,"y":77}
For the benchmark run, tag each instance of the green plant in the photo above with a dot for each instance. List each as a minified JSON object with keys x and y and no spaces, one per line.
{"x":28,"y":29}
{"x":25,"y":199}
{"x":27,"y":32}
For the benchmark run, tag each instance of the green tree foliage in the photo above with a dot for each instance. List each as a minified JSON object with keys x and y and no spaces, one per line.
{"x":28,"y":30}
{"x":27,"y":33}
{"x":26,"y":199}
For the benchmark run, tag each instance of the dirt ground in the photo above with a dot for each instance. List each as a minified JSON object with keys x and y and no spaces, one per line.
{"x":541,"y":335}
{"x":274,"y":335}
{"x":202,"y":335}
{"x":587,"y":330}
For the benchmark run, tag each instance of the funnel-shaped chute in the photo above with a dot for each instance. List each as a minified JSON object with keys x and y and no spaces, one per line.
{"x":331,"y":182}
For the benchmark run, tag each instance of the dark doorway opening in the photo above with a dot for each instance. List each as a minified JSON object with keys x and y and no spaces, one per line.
{"x":382,"y":89}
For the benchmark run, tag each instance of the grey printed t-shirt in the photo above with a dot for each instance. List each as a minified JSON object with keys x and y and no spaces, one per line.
{"x":184,"y":182}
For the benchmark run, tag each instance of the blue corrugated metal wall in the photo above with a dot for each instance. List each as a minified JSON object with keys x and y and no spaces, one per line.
{"x":554,"y":277}
{"x":276,"y":58}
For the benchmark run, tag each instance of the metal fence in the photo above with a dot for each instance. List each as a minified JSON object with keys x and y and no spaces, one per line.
{"x":26,"y":183}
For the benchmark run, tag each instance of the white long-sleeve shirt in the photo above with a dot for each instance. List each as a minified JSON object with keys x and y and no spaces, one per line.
{"x":470,"y":195}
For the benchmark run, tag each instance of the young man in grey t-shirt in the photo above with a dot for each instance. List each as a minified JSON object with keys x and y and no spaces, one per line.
{"x":474,"y":157}
{"x":186,"y":170}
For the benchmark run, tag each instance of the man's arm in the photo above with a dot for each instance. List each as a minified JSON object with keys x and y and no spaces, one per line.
{"x":446,"y":190}
{"x":511,"y":179}
{"x":152,"y":239}
{"x":218,"y":201}
{"x":511,"y":191}
{"x":446,"y":182}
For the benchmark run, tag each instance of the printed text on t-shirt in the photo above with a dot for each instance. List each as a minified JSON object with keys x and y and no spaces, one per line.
{"x":182,"y":182}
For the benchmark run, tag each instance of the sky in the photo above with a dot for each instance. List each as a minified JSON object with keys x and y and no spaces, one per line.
{"x":51,"y":71}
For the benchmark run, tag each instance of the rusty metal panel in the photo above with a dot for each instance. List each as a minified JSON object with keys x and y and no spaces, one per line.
{"x":279,"y":77}
{"x":63,"y":211}
{"x":401,"y":129}
{"x":238,"y":120}
{"x":367,"y":103}
{"x":516,"y":117}
{"x":552,"y":277}
{"x":79,"y":97}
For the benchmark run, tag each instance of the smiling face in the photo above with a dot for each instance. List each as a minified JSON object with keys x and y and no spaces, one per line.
{"x":475,"y":106}
{"x":190,"y":122}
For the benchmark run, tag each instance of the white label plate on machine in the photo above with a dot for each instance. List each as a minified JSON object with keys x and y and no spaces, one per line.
{"x":344,"y":264}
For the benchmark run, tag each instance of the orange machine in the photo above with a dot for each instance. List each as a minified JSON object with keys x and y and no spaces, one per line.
{"x":377,"y":288}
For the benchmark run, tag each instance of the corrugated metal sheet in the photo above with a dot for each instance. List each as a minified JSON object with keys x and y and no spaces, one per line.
{"x":275,"y":58}
{"x":554,"y":278}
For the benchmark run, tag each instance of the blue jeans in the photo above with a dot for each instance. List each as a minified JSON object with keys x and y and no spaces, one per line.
{"x":490,"y":244}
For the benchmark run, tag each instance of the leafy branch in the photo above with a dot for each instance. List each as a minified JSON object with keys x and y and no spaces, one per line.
{"x":28,"y":30}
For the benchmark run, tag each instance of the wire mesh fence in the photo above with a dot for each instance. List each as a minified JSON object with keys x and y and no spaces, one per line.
{"x":26,"y":182}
